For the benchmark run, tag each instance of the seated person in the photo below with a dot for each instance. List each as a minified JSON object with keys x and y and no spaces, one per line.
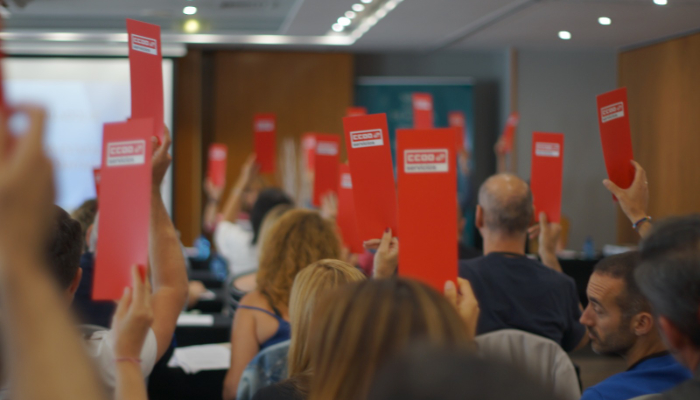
{"x":310,"y":285}
{"x":515,"y":292}
{"x":619,"y":322}
{"x":297,"y":239}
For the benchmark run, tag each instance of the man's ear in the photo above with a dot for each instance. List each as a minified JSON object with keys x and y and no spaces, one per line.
{"x":643,"y":323}
{"x":674,"y":338}
{"x":479,"y":220}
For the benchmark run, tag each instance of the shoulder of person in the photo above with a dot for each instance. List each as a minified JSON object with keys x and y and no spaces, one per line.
{"x":255,"y":299}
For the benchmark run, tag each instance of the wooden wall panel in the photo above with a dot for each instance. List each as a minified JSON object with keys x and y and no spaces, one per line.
{"x":663,"y":86}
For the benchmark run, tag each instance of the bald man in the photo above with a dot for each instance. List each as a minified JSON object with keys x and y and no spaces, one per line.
{"x":514,"y":291}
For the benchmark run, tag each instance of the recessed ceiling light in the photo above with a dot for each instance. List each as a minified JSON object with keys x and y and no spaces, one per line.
{"x":350,"y":14}
{"x":381,"y":13}
{"x":564,"y":35}
{"x":366,"y":1}
{"x":390,"y":5}
{"x":358,"y":7}
{"x":338,"y":27}
{"x":661,"y":2}
{"x":604,"y":21}
{"x":191,"y":26}
{"x":344,"y":21}
{"x":189,"y":10}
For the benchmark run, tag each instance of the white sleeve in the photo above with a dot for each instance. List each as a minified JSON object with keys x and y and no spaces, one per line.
{"x":234,"y":244}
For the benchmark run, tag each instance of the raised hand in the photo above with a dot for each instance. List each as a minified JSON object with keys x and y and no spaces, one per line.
{"x":465,"y":303}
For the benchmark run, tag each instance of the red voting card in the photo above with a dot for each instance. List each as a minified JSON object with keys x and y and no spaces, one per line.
{"x":308,"y":144}
{"x":508,"y":136}
{"x":97,"y":174}
{"x":326,"y":166}
{"x":427,"y":205}
{"x":346,"y":212}
{"x":356,"y":111}
{"x":613,"y":119}
{"x":146,"y":66}
{"x":369,"y":155}
{"x":216,"y":171}
{"x":265,"y":127}
{"x":546,"y":174}
{"x":456,"y":119}
{"x":125,"y":201}
{"x":422,"y":110}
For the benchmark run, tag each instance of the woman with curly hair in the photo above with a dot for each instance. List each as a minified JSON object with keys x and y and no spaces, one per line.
{"x":296,"y":240}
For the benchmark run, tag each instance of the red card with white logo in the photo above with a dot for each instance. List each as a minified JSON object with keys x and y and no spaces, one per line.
{"x":508,"y":136}
{"x":265,"y":128}
{"x":326,"y":166}
{"x":346,"y":212}
{"x":308,"y":145}
{"x":456,"y":119}
{"x":216,"y":170}
{"x":97,"y":174}
{"x":356,"y":111}
{"x":546,"y":174}
{"x":427,"y":205}
{"x":369,"y":155}
{"x":125,"y":205}
{"x":146,"y":66}
{"x":422,"y":110}
{"x":615,"y":134}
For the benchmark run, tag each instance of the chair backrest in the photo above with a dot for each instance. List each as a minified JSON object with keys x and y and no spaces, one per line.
{"x":267,"y":368}
{"x":540,"y":357}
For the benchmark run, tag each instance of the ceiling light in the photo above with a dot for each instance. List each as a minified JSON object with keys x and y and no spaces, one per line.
{"x":191,"y":26}
{"x":604,"y":21}
{"x":350,"y":14}
{"x":189,"y":10}
{"x":338,"y":27}
{"x":358,"y":7}
{"x":390,"y":6}
{"x":661,"y":2}
{"x":366,"y":1}
{"x":564,"y":35}
{"x":381,"y":13}
{"x":344,"y":21}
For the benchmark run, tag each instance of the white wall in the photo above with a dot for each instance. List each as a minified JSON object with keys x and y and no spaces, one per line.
{"x":557,"y":93}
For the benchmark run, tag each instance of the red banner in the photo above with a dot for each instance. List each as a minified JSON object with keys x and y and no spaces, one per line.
{"x":422,"y":110}
{"x":546,"y":174}
{"x":265,"y":128}
{"x":146,"y":66}
{"x":613,"y":119}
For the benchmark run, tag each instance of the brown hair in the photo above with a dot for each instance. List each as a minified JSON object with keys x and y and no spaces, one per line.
{"x":362,"y":325}
{"x":297,"y":239}
{"x":318,"y":279}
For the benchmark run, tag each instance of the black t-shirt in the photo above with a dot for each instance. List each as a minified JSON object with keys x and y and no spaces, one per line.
{"x":279,"y":391}
{"x":515,"y":292}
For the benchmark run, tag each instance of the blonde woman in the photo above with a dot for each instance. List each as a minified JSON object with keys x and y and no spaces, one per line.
{"x":310,"y":286}
{"x":297,"y":239}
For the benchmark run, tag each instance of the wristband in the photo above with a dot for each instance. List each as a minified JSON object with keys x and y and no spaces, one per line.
{"x":641,"y":221}
{"x":128,"y":359}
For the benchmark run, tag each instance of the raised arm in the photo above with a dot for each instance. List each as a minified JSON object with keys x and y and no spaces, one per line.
{"x":211,"y":209}
{"x":634,"y":201}
{"x":548,"y":239}
{"x":43,"y":345}
{"x":235,"y":200}
{"x":168,"y":269}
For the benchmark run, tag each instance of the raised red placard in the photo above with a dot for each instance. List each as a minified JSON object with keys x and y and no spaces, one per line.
{"x":508,"y":136}
{"x":326,"y":166}
{"x":216,"y":170}
{"x":347,"y":221}
{"x":356,"y":111}
{"x":265,"y":128}
{"x":615,"y":135}
{"x":456,"y":119}
{"x":146,"y":66}
{"x":422,"y":110}
{"x":546,"y":174}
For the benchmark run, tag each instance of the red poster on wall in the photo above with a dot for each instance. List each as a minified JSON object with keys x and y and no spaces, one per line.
{"x":456,"y":119}
{"x":356,"y":111}
{"x":546,"y":174}
{"x":508,"y":136}
{"x":216,"y":171}
{"x":347,"y":221}
{"x":369,"y":155}
{"x":427,"y":205}
{"x":125,"y":205}
{"x":326,"y":166}
{"x":422,"y":110}
{"x":616,"y":137}
{"x":265,"y":128}
{"x":146,"y":67}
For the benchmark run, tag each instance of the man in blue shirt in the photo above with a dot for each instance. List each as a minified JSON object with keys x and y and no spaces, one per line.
{"x":619,"y":321}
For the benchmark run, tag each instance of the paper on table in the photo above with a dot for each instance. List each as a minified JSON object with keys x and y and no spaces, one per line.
{"x":195,"y":320}
{"x":208,"y":357}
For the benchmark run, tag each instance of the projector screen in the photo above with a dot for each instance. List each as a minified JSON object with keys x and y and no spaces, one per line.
{"x":80,"y":95}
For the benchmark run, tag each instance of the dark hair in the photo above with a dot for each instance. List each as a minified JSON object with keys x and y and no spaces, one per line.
{"x":64,"y":248}
{"x":267,"y":200}
{"x":669,"y":274}
{"x":85,"y":215}
{"x":622,"y":266}
{"x":426,"y":373}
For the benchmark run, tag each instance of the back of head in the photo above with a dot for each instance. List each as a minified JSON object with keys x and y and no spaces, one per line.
{"x":85,"y":214}
{"x":669,"y":275}
{"x":362,"y":325}
{"x":506,"y":201}
{"x":297,"y":239}
{"x":426,"y":373}
{"x":622,"y":266}
{"x":266,"y":201}
{"x":64,"y":248}
{"x":270,"y":218}
{"x":310,"y":285}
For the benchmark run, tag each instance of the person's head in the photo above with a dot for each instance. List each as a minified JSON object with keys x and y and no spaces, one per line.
{"x":270,"y":218}
{"x":64,"y":248}
{"x":360,"y":326}
{"x":310,"y":285}
{"x":85,"y":215}
{"x":505,"y":207}
{"x":266,"y":201}
{"x":669,"y":276}
{"x":618,"y":315}
{"x":297,"y":239}
{"x":445,"y":373}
